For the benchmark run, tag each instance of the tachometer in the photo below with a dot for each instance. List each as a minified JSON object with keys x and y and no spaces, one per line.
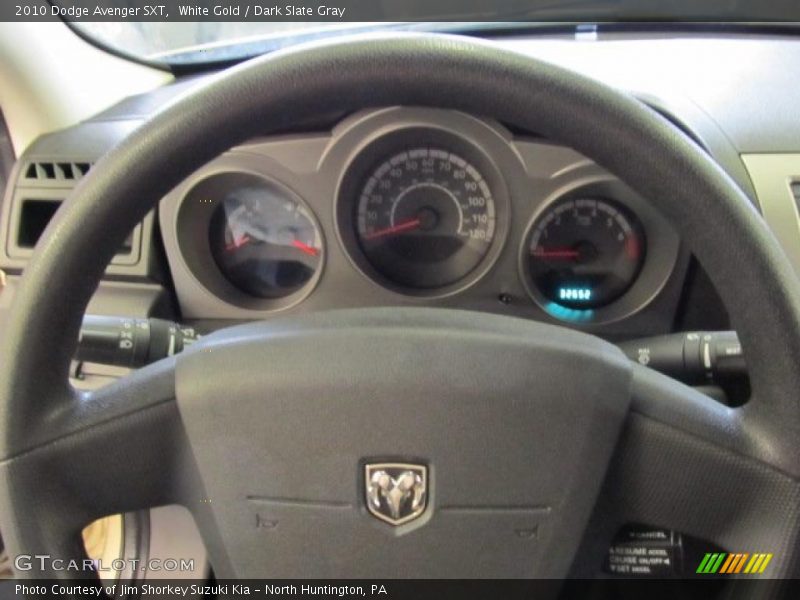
{"x":425,"y":218}
{"x":584,"y":253}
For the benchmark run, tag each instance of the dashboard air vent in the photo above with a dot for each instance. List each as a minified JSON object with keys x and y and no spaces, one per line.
{"x":56,"y":171}
{"x":796,"y":193}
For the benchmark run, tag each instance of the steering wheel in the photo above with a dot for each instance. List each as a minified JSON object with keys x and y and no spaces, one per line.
{"x":535,"y":441}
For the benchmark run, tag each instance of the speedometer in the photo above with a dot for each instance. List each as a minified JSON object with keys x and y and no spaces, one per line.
{"x":425,"y":218}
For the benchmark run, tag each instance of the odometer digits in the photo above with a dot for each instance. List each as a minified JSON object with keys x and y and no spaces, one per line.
{"x":425,"y":218}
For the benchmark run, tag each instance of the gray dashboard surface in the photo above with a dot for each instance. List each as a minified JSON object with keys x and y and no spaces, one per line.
{"x":747,"y":85}
{"x":737,"y":94}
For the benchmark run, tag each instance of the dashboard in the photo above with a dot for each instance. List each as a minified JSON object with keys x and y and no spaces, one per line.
{"x":407,"y":205}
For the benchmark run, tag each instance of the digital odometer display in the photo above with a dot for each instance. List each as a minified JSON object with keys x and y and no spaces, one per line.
{"x":425,"y":218}
{"x":585,"y":253}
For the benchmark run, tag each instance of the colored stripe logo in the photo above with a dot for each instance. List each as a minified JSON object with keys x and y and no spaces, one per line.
{"x":732,"y":563}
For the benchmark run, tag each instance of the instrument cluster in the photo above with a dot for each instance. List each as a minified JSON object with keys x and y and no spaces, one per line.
{"x":409,"y":206}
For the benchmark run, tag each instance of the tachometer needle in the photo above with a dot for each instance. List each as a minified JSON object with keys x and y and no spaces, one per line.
{"x":394,"y":229}
{"x":236,"y":244}
{"x":564,"y":253}
{"x":311,"y":251}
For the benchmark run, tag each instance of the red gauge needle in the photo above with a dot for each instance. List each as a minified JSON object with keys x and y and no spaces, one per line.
{"x":395,"y":229}
{"x":632,"y":248}
{"x":556,"y":253}
{"x":304,"y":248}
{"x":236,"y":244}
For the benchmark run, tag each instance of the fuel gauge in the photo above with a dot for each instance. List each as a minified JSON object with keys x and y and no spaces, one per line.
{"x":263,"y":239}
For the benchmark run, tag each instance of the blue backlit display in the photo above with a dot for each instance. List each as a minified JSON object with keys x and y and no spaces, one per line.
{"x":575,"y":294}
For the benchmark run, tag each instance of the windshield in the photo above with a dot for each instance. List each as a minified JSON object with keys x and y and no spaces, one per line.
{"x":240,"y":29}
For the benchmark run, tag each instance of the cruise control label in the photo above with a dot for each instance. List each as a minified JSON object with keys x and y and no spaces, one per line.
{"x":643,"y":551}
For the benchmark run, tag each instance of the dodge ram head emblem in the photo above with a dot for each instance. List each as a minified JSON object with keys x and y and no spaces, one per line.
{"x":396,"y":492}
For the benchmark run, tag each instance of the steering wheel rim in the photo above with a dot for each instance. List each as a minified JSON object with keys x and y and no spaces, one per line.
{"x":43,"y":418}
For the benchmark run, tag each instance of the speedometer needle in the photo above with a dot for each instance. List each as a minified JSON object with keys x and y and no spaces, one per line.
{"x":311,"y":251}
{"x":236,"y":244}
{"x":394,"y":229}
{"x":556,"y":253}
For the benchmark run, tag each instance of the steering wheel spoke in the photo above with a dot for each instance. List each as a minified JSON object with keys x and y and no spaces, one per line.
{"x":116,"y":449}
{"x":679,"y":451}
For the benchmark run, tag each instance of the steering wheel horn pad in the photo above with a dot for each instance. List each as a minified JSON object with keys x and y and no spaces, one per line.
{"x":485,"y":403}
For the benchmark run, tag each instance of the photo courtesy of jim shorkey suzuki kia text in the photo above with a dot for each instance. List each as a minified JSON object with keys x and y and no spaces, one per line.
{"x":194,"y":590}
{"x":237,"y":11}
